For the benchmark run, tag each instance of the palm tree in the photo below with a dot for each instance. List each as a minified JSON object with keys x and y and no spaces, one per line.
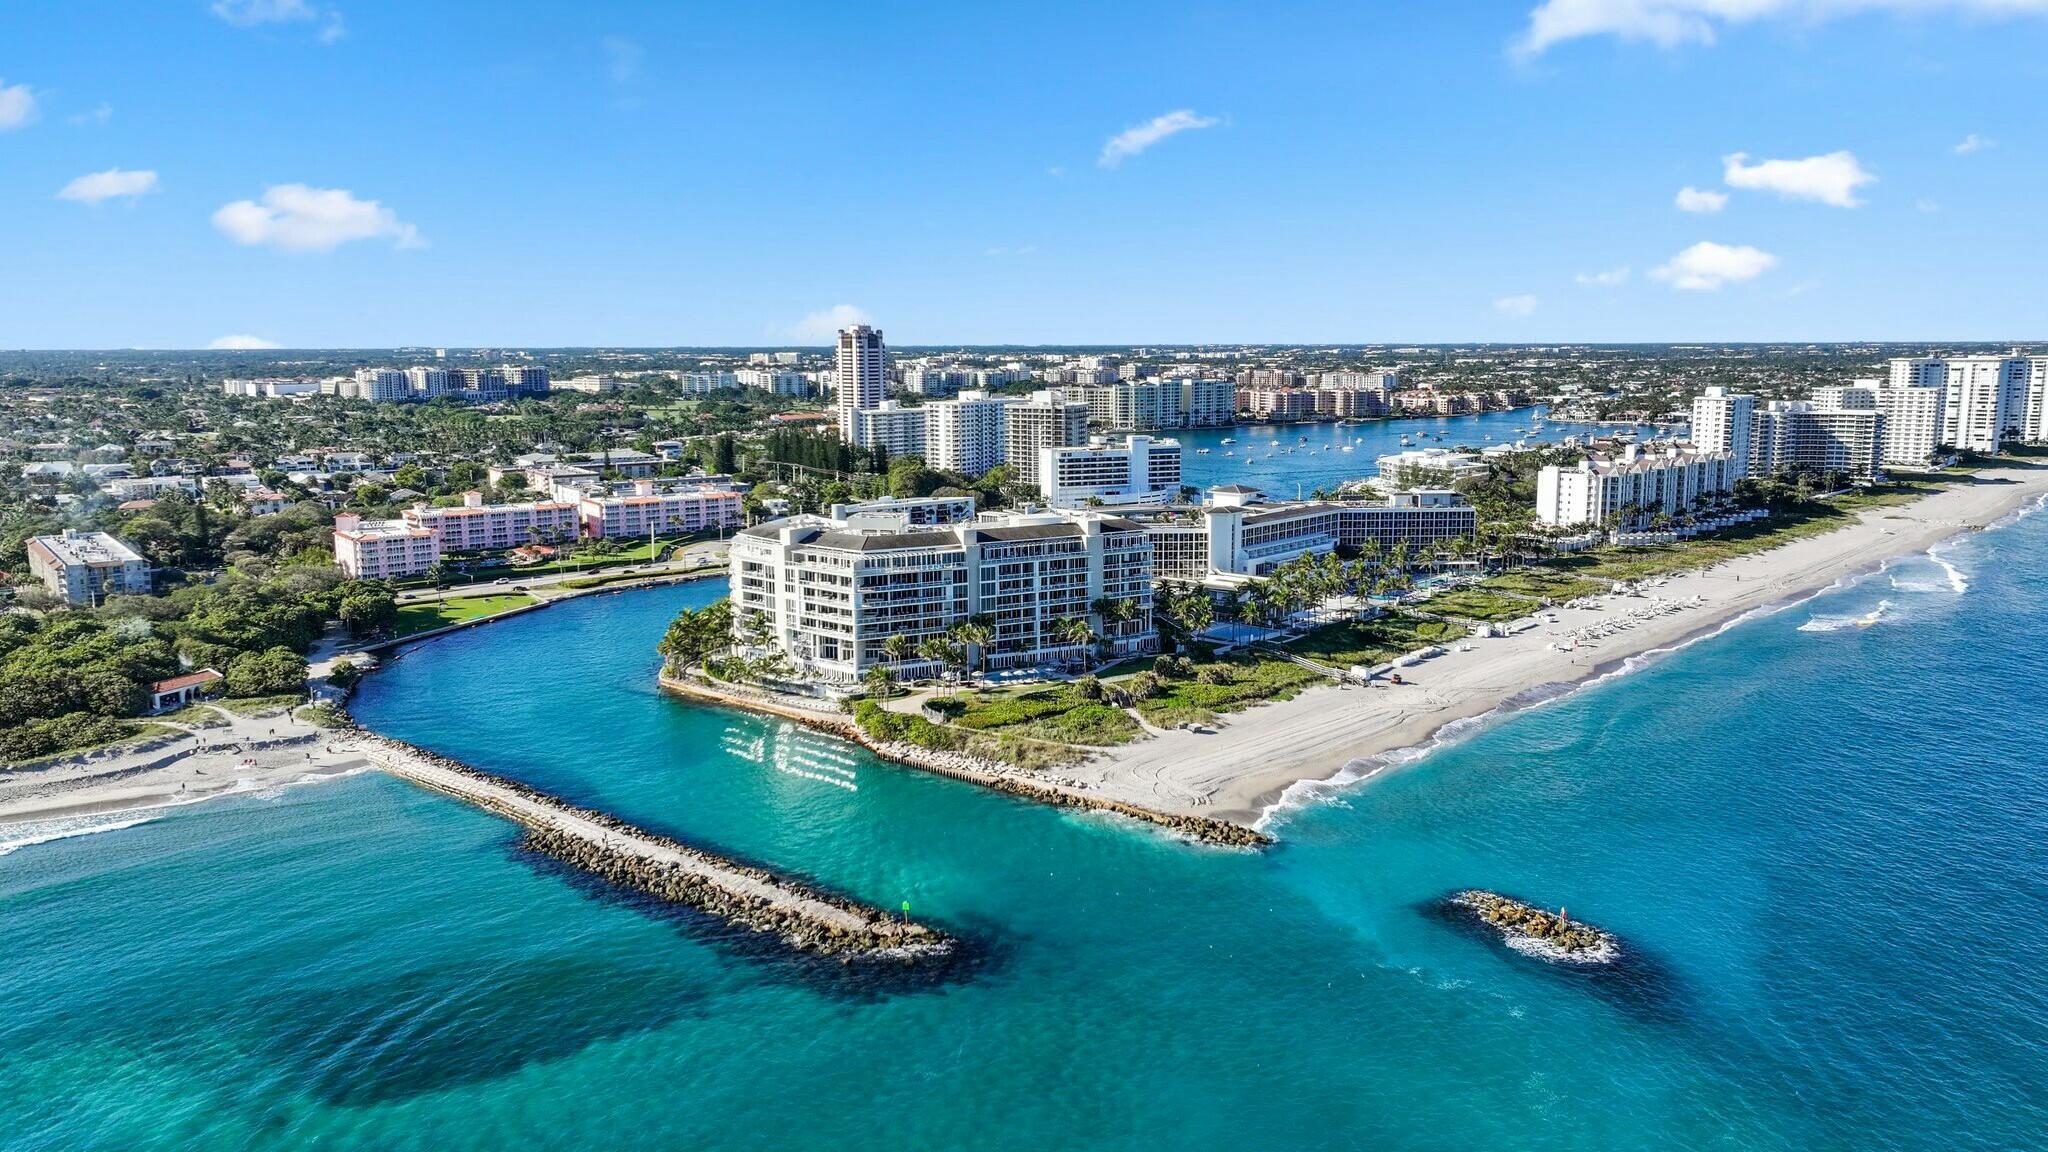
{"x":898,"y":648}
{"x":975,"y":635}
{"x":1076,"y":631}
{"x":881,"y":681}
{"x":940,"y":651}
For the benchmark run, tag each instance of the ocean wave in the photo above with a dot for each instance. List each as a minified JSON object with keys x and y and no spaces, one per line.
{"x":29,"y":833}
{"x":1304,"y":793}
{"x":1843,"y":623}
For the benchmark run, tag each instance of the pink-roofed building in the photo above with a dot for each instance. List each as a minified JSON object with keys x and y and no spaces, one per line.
{"x":383,"y":549}
{"x":649,"y":506}
{"x":475,"y":526}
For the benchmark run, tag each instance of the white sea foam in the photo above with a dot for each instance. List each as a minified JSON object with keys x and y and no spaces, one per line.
{"x":1842,"y":623}
{"x":29,"y":833}
{"x":1303,"y":793}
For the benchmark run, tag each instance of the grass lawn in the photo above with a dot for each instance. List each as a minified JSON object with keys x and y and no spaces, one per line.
{"x":1540,"y":584}
{"x":196,"y":716}
{"x":1479,"y":604}
{"x":1368,"y":643}
{"x":1255,"y":680}
{"x":634,"y":553}
{"x":457,"y":610}
{"x":1058,"y":714}
{"x":259,"y":705}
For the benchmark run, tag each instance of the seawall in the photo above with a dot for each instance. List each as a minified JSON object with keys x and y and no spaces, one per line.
{"x":659,"y":866}
{"x":972,"y":769}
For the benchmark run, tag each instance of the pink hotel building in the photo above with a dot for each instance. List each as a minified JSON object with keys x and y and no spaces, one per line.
{"x":408,"y":546}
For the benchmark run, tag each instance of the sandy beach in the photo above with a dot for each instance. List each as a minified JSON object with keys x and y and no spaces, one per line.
{"x":1240,"y":771}
{"x":230,"y":755}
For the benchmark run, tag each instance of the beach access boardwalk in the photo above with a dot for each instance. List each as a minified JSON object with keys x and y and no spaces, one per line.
{"x":661,"y":867}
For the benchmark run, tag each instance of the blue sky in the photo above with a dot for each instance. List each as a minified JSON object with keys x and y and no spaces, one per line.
{"x":365,"y":174}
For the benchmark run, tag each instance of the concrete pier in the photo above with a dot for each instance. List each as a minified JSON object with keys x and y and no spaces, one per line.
{"x":662,"y":867}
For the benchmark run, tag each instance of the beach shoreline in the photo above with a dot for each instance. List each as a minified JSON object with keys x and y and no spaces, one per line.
{"x":1253,"y":765}
{"x":1270,"y":758}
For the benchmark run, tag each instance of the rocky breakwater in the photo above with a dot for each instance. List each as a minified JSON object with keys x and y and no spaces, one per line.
{"x":1015,"y":782}
{"x":632,"y":857}
{"x":1534,"y":932}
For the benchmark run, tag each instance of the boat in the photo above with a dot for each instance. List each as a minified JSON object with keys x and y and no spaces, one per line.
{"x":1350,"y":448}
{"x":1230,"y":439}
{"x":1201,"y":451}
{"x":1405,"y":441}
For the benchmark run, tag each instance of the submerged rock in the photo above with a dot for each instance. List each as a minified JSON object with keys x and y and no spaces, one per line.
{"x":1534,"y":932}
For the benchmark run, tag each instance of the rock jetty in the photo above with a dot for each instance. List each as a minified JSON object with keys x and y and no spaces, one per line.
{"x":974,"y":769}
{"x":664,"y":868}
{"x":1535,"y":932}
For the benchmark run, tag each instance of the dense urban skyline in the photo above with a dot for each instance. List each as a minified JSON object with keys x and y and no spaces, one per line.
{"x":263,"y":172}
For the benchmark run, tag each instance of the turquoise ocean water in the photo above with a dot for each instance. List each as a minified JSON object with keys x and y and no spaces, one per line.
{"x":1824,"y":832}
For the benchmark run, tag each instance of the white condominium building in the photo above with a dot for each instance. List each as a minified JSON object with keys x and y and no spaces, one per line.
{"x":87,"y":567}
{"x":917,"y":511}
{"x":2035,"y":426}
{"x":1133,"y":470}
{"x":382,"y":384}
{"x":705,"y":383}
{"x":828,"y":593}
{"x":1860,"y":396}
{"x":383,"y":549}
{"x":1912,"y":422}
{"x":1206,"y":403}
{"x":861,"y":377}
{"x":642,"y":507}
{"x":964,"y":435}
{"x":426,"y":383}
{"x":1722,"y":421}
{"x":1987,"y":397}
{"x":1171,"y":402}
{"x":271,"y":389}
{"x":1048,"y":419}
{"x":1918,"y":370}
{"x":475,"y":526}
{"x":1428,"y":467}
{"x":1238,"y":534}
{"x":1797,"y":435}
{"x":774,"y":381}
{"x":1631,"y":488}
{"x":1986,"y":401}
{"x":892,"y":426}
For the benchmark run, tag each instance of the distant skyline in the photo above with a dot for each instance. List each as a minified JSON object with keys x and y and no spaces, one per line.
{"x":298,"y":173}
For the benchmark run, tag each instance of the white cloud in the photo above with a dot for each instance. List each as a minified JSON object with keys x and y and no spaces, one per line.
{"x":114,"y":182}
{"x":1607,"y":279}
{"x":1974,"y":143}
{"x":823,"y":326}
{"x":1135,"y":139}
{"x":1691,"y":199}
{"x":99,"y":115}
{"x":242,"y":343}
{"x":17,"y":106}
{"x":1706,"y":266}
{"x":301,"y":219}
{"x":622,"y":60}
{"x":251,"y":13}
{"x":1830,"y":179}
{"x":1523,"y":305}
{"x":1671,"y":23}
